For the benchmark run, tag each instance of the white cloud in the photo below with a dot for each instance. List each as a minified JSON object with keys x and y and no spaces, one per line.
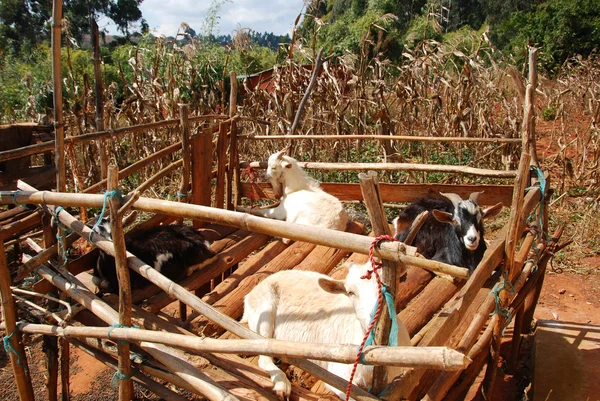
{"x":165,"y":16}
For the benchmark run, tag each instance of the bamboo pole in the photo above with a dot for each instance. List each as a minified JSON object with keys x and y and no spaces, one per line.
{"x":434,"y":139}
{"x":158,"y":176}
{"x":440,"y":358}
{"x":389,"y":270}
{"x":116,"y":225}
{"x":311,"y":84}
{"x":437,"y":168}
{"x":298,"y":232}
{"x":16,"y":353}
{"x":233,"y":94}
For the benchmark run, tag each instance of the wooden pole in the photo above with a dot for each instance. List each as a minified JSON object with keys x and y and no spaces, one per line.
{"x":528,"y":127}
{"x":437,"y":168}
{"x":16,"y":352}
{"x":182,"y":196}
{"x":99,"y":98}
{"x":405,"y":138}
{"x":116,"y":225}
{"x":389,"y":270}
{"x":221,"y":165}
{"x":350,"y":242}
{"x":233,"y":172}
{"x":201,"y":169}
{"x":59,"y":132}
{"x":311,"y":84}
{"x":440,"y":358}
{"x":233,"y":94}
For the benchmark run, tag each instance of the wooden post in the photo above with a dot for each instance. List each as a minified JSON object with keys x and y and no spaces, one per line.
{"x":182,"y":195}
{"x":389,"y":270}
{"x":184,"y":110}
{"x":116,"y":225}
{"x":233,"y":94}
{"x":50,"y":346}
{"x":96,"y":60}
{"x":221,"y":165}
{"x":59,"y":150}
{"x":202,"y":169}
{"x":233,"y":172}
{"x":528,"y":127}
{"x":17,"y":355}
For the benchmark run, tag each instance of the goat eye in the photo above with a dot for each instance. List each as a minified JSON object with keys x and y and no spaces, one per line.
{"x":351,"y":294}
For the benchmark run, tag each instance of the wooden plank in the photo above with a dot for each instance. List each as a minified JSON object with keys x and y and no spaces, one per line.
{"x":404,"y":192}
{"x":42,"y":177}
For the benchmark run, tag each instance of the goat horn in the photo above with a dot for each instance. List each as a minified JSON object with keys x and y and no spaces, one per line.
{"x":280,"y":154}
{"x":475,"y":196}
{"x":454,"y":198}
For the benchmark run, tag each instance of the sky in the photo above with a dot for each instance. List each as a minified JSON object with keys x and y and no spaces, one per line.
{"x":165,"y":16}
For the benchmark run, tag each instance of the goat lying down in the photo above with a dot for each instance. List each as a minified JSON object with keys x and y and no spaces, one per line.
{"x":170,"y":249}
{"x":306,"y":306}
{"x":302,"y":199}
{"x":453,"y":232}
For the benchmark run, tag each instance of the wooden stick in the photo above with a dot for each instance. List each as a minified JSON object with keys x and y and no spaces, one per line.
{"x":311,"y":84}
{"x":116,"y":225}
{"x":528,"y":127}
{"x":435,"y":139}
{"x":441,"y":358}
{"x":99,"y":100}
{"x":389,"y":270}
{"x":440,"y":168}
{"x":159,"y":175}
{"x":184,"y":110}
{"x":18,"y":359}
{"x":233,"y":172}
{"x":233,"y":94}
{"x":59,"y":132}
{"x":415,"y":227}
{"x":350,"y":242}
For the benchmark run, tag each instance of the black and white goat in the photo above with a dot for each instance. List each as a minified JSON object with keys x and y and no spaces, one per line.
{"x":453,"y":232}
{"x":170,"y":249}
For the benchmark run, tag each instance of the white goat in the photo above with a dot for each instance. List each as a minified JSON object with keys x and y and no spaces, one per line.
{"x":306,"y":306}
{"x":302,"y":199}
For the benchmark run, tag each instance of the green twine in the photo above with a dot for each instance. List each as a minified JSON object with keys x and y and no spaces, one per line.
{"x":180,"y":195}
{"x":499,"y":309}
{"x":393,"y":338}
{"x":114,"y":382}
{"x":119,"y":326}
{"x":15,"y":194}
{"x":107,"y":195}
{"x":8,"y":347}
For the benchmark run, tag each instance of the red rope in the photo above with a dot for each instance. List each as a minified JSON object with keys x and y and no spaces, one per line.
{"x":375,"y":265}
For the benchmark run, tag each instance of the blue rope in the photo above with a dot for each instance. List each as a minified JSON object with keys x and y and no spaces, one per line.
{"x":107,"y":195}
{"x":15,"y":197}
{"x":499,"y":309}
{"x":180,"y":195}
{"x":9,"y":348}
{"x":60,"y":237}
{"x":114,"y":382}
{"x":119,"y":326}
{"x":393,"y":338}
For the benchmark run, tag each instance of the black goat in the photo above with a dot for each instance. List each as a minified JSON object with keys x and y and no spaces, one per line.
{"x":170,"y":249}
{"x":453,"y":231}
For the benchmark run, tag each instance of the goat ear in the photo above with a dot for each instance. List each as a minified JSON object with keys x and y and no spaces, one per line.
{"x":492,"y":210}
{"x":454,"y":198}
{"x":443,"y":217}
{"x":129,"y":219}
{"x":475,"y":196}
{"x":286,"y":164}
{"x":332,"y":286}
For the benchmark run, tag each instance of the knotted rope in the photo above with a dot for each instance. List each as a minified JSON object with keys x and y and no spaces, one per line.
{"x":389,"y":298}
